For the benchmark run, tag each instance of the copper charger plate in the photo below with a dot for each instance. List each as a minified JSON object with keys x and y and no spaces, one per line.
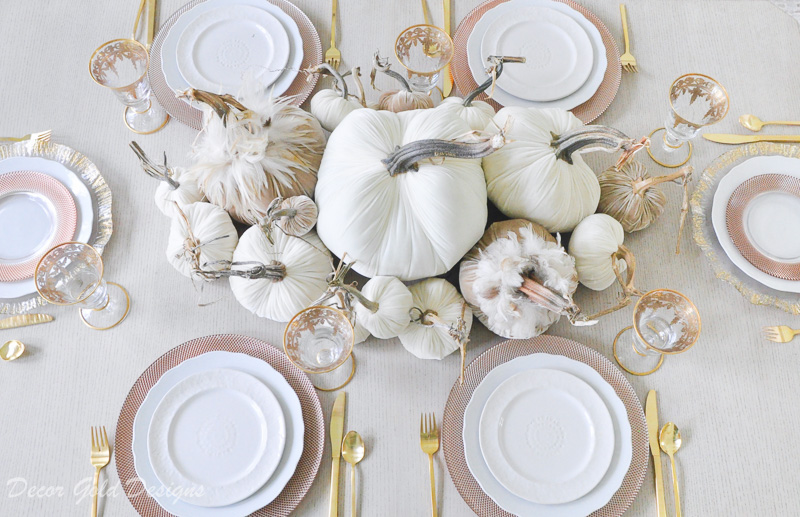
{"x":460,"y":395}
{"x":313,"y":443}
{"x":734,"y":220}
{"x":589,"y":110}
{"x":300,"y":88}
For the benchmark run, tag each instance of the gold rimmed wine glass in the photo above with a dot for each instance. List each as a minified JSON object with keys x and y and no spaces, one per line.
{"x":319,"y":340}
{"x":665,"y":322}
{"x":695,"y":101}
{"x":72,"y":274}
{"x":121,"y":66}
{"x":424,"y":51}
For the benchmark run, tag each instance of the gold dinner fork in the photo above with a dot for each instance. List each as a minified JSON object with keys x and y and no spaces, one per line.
{"x":101,"y":455}
{"x":332,"y":56}
{"x":429,"y":441}
{"x":780,"y":334}
{"x":627,"y":60}
{"x":41,"y":136}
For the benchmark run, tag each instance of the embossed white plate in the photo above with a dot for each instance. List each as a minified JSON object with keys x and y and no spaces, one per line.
{"x":216,"y":437}
{"x":558,"y":53}
{"x":546,"y":436}
{"x":219,"y":47}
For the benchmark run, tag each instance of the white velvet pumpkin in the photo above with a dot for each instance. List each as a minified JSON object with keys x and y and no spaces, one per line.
{"x":477,"y":115}
{"x":432,"y":341}
{"x":593,"y":245}
{"x":394,"y":303}
{"x":412,"y":225}
{"x":307,"y":264}
{"x":212,"y":238}
{"x":186,"y":193}
{"x":331,"y":108}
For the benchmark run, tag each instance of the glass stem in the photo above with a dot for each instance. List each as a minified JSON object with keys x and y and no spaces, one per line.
{"x":99,"y":299}
{"x":671,"y":142}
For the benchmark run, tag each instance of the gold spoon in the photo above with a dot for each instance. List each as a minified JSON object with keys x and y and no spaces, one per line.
{"x":353,"y":452}
{"x":754,"y":123}
{"x":670,"y":440}
{"x":11,"y":350}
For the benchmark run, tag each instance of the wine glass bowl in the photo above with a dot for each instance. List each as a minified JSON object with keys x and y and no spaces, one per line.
{"x":319,"y":339}
{"x":424,"y":51}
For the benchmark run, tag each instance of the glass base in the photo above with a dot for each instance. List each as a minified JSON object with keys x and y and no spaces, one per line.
{"x":338,"y":378}
{"x":146,"y":122}
{"x":632,"y":360}
{"x":670,"y":159}
{"x":119,"y":303}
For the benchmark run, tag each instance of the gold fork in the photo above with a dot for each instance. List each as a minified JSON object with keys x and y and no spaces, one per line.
{"x":41,"y":136}
{"x":780,"y":334}
{"x":627,"y":60}
{"x":429,"y":441}
{"x":332,"y":56}
{"x":101,"y":455}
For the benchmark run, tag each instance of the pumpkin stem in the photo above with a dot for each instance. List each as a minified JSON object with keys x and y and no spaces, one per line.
{"x":274,"y":271}
{"x":336,"y":286}
{"x":222,"y":105}
{"x":628,"y":289}
{"x":430,"y":318}
{"x":643,"y":184}
{"x":406,"y":158}
{"x":494,"y":71}
{"x":159,"y":172}
{"x":553,"y":301}
{"x":595,"y":138}
{"x":380,"y":64}
{"x":688,"y":170}
{"x":339,"y":83}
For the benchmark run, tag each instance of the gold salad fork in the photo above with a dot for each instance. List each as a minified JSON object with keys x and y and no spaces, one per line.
{"x":429,"y":441}
{"x":101,"y":455}
{"x":780,"y":334}
{"x":41,"y":136}
{"x":627,"y":60}
{"x":332,"y":56}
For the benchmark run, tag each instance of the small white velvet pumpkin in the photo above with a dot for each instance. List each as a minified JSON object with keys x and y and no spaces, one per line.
{"x":332,"y":105}
{"x":202,"y":236}
{"x":439,"y":299}
{"x":175,"y":186}
{"x":394,"y":302}
{"x":593,"y":245}
{"x":477,"y":114}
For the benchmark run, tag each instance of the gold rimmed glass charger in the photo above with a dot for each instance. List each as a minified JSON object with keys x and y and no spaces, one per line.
{"x":705,"y":236}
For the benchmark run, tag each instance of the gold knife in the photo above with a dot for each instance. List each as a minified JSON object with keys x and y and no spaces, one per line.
{"x":151,"y":22}
{"x":23,"y":320}
{"x":337,"y":428}
{"x":447,"y":82}
{"x":749,"y":139}
{"x":651,"y":414}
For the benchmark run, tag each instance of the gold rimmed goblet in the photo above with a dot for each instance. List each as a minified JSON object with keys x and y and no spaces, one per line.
{"x":319,"y":340}
{"x":72,"y":274}
{"x":695,"y":101}
{"x":424,"y":51}
{"x":665,"y":322}
{"x":121,"y":66}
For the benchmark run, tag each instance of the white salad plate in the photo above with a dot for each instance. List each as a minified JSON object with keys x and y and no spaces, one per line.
{"x":558,"y":53}
{"x":546,"y":436}
{"x":623,"y":445}
{"x":169,"y":49}
{"x":220,"y":47}
{"x":293,"y":449}
{"x":218,"y":435}
{"x":514,"y":9}
{"x":83,"y":203}
{"x":727,"y":185}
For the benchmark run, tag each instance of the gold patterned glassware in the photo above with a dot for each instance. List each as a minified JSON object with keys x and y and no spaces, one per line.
{"x":424,"y":51}
{"x":319,"y":340}
{"x":665,"y":322}
{"x":121,"y":66}
{"x":695,"y":101}
{"x":72,"y":274}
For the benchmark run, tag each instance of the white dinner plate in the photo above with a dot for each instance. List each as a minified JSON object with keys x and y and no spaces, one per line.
{"x":546,"y":436}
{"x":558,"y":53}
{"x":217,"y":436}
{"x":623,"y":444}
{"x":727,"y":185}
{"x":169,"y":49}
{"x":477,"y":61}
{"x":220,"y":47}
{"x":290,"y":406}
{"x":83,"y":203}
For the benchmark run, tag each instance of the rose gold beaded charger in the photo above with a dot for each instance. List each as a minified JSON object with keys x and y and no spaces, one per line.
{"x":300,"y":88}
{"x":589,"y":110}
{"x":314,"y":439}
{"x":460,"y":395}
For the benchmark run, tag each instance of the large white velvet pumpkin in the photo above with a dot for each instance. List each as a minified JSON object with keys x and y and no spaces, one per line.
{"x":412,"y":225}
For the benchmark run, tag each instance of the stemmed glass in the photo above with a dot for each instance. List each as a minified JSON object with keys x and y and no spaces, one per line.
{"x":695,"y":101}
{"x":121,"y":66}
{"x":424,"y":51}
{"x":72,"y":274}
{"x":665,"y":322}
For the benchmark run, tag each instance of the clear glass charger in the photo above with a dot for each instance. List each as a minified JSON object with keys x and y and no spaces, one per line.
{"x":705,"y":236}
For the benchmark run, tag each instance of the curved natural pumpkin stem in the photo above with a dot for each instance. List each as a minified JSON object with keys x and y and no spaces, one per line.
{"x":553,"y":301}
{"x":382,"y":65}
{"x":338,"y":81}
{"x":274,"y":271}
{"x":159,"y":172}
{"x":356,"y":73}
{"x":406,"y":158}
{"x":495,"y":70}
{"x":346,"y":292}
{"x":222,"y":105}
{"x":627,"y":283}
{"x":586,"y":139}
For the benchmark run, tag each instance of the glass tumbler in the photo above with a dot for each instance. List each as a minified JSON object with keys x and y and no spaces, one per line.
{"x":424,"y":51}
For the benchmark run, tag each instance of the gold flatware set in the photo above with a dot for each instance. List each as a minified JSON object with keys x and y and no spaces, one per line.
{"x":351,"y":448}
{"x":755,"y":124}
{"x":429,"y":442}
{"x":333,"y":56}
{"x":24,"y":320}
{"x":41,"y":136}
{"x":780,"y":334}
{"x":627,"y":60}
{"x":669,"y":441}
{"x":101,"y":456}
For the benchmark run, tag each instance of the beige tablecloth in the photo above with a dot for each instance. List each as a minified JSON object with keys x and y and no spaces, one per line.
{"x":732,"y":395}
